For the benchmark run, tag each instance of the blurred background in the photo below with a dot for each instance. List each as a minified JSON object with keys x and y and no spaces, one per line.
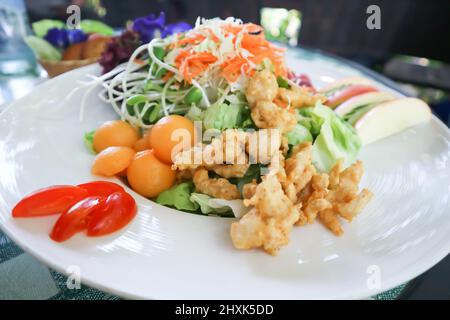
{"x":412,"y":46}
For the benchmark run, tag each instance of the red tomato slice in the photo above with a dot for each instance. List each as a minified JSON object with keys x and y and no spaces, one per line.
{"x":76,"y":218}
{"x":119,"y":209}
{"x":47,"y":201}
{"x":101,"y":188}
{"x":347,"y":93}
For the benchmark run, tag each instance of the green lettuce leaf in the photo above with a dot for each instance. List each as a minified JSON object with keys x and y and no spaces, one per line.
{"x":203,"y":201}
{"x":42,"y":49}
{"x":308,"y":118}
{"x":337,"y":139}
{"x":195,"y":113}
{"x":41,"y":27}
{"x":178,"y":197}
{"x":94,"y":26}
{"x":222,"y":116}
{"x":298,"y":135}
{"x":89,"y":141}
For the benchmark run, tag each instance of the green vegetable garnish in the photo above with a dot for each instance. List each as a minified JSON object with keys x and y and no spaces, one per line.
{"x":136,"y":99}
{"x":89,"y":141}
{"x":195,"y":113}
{"x":222,"y":116}
{"x":178,"y":197}
{"x":282,"y":82}
{"x":337,"y":139}
{"x":159,"y":52}
{"x":298,"y":135}
{"x":203,"y":201}
{"x":194,"y":95}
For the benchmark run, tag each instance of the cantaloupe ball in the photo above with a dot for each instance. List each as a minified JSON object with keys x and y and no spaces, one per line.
{"x":149,"y":176}
{"x":112,"y":161}
{"x":170,"y":132}
{"x":115,"y":133}
{"x":143,"y":143}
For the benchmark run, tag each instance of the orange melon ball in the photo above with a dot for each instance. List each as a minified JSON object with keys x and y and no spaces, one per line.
{"x":171,"y":134}
{"x":143,"y":143}
{"x":112,"y":161}
{"x":115,"y":133}
{"x":148,"y":176}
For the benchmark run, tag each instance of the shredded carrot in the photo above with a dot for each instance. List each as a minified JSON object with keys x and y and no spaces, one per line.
{"x":167,"y":76}
{"x":139,"y":61}
{"x":191,"y":63}
{"x":194,"y":64}
{"x":280,"y":103}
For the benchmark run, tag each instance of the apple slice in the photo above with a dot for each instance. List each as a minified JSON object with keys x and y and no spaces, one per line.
{"x":348,"y":92}
{"x":391,"y":117}
{"x":362,"y":100}
{"x":345,"y":82}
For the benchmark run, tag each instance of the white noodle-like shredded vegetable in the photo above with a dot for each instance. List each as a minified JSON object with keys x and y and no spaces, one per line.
{"x":158,"y":80}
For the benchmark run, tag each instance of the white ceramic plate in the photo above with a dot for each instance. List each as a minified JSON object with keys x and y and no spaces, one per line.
{"x":165,"y":253}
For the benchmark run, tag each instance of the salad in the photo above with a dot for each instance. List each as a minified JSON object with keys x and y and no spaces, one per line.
{"x":213,"y":122}
{"x":252,"y":139}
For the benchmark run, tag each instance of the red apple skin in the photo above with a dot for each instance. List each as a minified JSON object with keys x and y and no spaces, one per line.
{"x":348,"y":93}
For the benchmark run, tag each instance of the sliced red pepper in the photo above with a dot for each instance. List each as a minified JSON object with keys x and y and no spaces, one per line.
{"x":101,"y":188}
{"x":47,"y":201}
{"x":76,"y":218}
{"x":347,"y":93}
{"x":119,"y":209}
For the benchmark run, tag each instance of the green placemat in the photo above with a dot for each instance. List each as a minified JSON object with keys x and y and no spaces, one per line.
{"x":23,"y":277}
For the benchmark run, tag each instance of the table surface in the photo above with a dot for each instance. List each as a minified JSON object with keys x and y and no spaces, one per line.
{"x":433,"y":284}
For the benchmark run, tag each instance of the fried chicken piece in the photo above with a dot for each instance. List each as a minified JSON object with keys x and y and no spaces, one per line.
{"x":347,"y":188}
{"x":269,"y":222}
{"x":190,"y":159}
{"x":233,"y":144}
{"x":316,"y":202}
{"x":229,"y":147}
{"x":262,"y":145}
{"x":183,"y":175}
{"x":277,"y":165}
{"x":305,"y":193}
{"x":319,"y":183}
{"x":262,"y":86}
{"x":300,"y":97}
{"x":299,"y":170}
{"x":284,"y":145}
{"x":230,"y":170}
{"x":267,"y":114}
{"x":348,"y":210}
{"x":344,"y":196}
{"x":330,"y":220}
{"x":335,"y":172}
{"x":249,"y":189}
{"x":313,"y":207}
{"x":218,"y":187}
{"x":249,"y":231}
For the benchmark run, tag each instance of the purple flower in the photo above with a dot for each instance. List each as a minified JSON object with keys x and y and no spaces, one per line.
{"x":57,"y":37}
{"x":150,"y":26}
{"x":76,"y":35}
{"x":62,"y":38}
{"x":176,"y":27}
